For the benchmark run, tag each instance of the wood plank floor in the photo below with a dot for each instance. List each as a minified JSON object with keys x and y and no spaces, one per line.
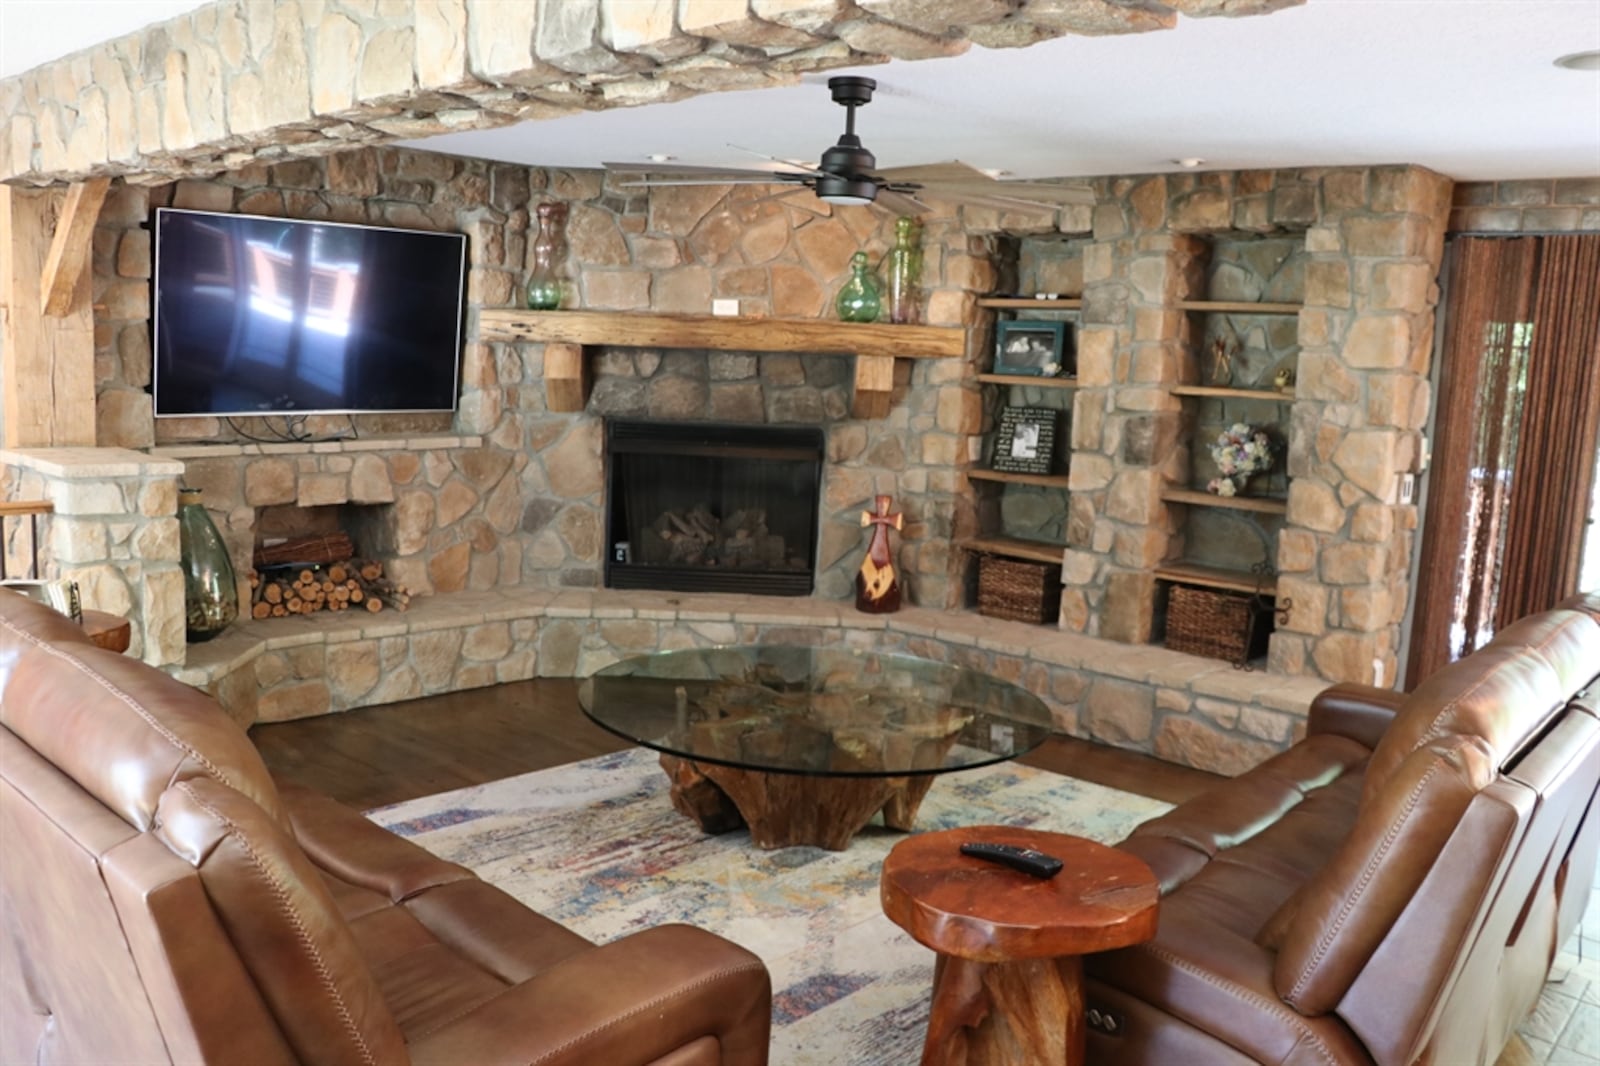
{"x":380,"y":755}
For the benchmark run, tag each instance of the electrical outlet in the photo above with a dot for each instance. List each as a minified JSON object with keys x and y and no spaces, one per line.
{"x":1408,"y":487}
{"x":726,"y":308}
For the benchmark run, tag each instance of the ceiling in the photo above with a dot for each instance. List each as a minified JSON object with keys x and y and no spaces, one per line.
{"x":1465,"y":87}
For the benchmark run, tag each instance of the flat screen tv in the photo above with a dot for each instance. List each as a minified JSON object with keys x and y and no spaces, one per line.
{"x":273,"y":316}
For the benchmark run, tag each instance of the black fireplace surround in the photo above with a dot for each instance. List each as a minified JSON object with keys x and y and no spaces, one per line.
{"x":702,"y":507}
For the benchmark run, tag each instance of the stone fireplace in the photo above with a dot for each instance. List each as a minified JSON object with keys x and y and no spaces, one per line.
{"x":697,"y":507}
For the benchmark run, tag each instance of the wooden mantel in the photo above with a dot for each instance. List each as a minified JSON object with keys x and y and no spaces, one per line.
{"x":565,"y":333}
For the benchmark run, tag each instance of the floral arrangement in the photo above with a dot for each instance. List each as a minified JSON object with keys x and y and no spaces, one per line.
{"x":1240,"y":451}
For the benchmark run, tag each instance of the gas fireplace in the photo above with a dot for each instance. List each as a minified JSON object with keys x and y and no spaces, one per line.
{"x":696,"y":507}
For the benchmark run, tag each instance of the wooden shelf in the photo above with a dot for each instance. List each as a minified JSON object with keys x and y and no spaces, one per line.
{"x":1019,"y":303}
{"x":1214,"y":577}
{"x":1270,"y":395}
{"x":1029,"y":379}
{"x":1238,"y":307}
{"x":1037,"y":551}
{"x":627,"y":329}
{"x":1259,"y":504}
{"x":1049,"y":481}
{"x":566,"y":333}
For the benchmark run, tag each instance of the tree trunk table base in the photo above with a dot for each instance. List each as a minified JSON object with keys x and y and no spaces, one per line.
{"x":1008,"y":981}
{"x":785,"y":810}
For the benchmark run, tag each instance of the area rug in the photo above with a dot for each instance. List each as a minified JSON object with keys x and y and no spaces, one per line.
{"x":597,"y":846}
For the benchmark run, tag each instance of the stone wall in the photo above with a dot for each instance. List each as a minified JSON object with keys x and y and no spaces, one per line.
{"x":1543,"y":205}
{"x":1373,"y":243}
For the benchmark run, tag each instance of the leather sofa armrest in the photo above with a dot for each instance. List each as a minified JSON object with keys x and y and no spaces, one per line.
{"x":1359,"y":712}
{"x":632,"y":1001}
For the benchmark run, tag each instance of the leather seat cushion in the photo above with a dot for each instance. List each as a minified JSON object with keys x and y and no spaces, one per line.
{"x":439,"y":941}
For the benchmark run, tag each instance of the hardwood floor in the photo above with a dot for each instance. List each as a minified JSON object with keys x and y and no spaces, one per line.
{"x":380,"y":755}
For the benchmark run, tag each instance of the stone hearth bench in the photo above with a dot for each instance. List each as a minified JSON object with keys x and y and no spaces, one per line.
{"x":1199,"y":712}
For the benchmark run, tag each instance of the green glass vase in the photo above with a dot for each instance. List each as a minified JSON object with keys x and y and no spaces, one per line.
{"x":859,"y":299}
{"x":210,"y":591}
{"x":546,"y":286}
{"x":904,"y":264}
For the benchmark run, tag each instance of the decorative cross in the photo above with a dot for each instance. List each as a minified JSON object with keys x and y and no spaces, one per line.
{"x":877,"y":576}
{"x":882,"y":518}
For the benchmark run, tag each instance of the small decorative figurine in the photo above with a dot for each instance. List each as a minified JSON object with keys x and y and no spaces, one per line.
{"x":877,"y":583}
{"x":1221,"y":361}
{"x":1283,"y":380}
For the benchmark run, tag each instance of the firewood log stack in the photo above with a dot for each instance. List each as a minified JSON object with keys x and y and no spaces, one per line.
{"x":340,"y":586}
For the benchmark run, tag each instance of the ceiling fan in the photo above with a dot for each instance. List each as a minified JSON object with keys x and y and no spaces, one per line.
{"x":847,"y":173}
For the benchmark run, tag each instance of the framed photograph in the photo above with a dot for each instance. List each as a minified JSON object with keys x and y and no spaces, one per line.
{"x":1041,"y":349}
{"x":1025,"y":440}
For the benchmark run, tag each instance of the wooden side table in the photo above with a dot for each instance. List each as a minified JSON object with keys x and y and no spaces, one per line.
{"x":1008,"y":982}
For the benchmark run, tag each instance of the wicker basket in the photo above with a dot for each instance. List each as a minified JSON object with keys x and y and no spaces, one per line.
{"x":1018,"y":590}
{"x":1219,"y":625}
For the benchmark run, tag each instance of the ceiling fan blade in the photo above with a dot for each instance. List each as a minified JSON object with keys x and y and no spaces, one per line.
{"x":793,"y":198}
{"x":1031,"y":192}
{"x":901,"y":203}
{"x":667,"y":182}
{"x":684,"y":168}
{"x":953,"y":171}
{"x":807,"y":167}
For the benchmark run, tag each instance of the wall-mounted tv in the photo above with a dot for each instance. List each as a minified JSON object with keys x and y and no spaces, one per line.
{"x":273,"y":316}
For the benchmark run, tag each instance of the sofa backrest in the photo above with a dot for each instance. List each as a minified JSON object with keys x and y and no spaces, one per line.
{"x":1476,"y":810}
{"x":155,"y":903}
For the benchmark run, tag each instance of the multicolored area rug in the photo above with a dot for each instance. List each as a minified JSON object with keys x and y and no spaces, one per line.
{"x":597,"y":846}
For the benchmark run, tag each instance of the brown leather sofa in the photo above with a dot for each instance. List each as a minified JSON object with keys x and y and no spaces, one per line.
{"x":161,"y":900}
{"x":1392,"y":889}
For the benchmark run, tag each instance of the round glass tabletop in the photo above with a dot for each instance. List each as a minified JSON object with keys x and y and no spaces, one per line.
{"x":822,"y":711}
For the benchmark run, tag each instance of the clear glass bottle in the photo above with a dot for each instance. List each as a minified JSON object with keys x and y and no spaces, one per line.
{"x":210,"y":591}
{"x":546,"y":283}
{"x":904,"y":265}
{"x":860,"y":298}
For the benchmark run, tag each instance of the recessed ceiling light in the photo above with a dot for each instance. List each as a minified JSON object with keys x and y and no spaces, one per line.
{"x":1580,"y":61}
{"x":1190,"y":163}
{"x":660,"y":157}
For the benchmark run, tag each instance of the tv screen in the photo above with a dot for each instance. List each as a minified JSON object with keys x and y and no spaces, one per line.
{"x":259,"y":316}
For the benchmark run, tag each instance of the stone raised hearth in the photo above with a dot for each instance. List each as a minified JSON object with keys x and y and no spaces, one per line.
{"x":1199,"y":712}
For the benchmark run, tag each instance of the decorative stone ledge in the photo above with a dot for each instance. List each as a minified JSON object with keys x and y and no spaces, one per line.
{"x":1195,"y":711}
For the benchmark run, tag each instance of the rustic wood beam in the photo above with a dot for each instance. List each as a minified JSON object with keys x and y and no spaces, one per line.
{"x":874,"y":386}
{"x":68,"y":261}
{"x":566,"y":378}
{"x":626,"y":329}
{"x":46,"y":361}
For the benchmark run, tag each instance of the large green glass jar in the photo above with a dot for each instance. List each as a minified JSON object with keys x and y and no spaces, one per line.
{"x":210,"y":591}
{"x":859,"y":299}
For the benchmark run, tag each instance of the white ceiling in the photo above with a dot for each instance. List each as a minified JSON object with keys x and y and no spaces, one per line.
{"x":1466,"y":87}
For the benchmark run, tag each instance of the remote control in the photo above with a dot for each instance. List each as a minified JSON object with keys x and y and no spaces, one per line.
{"x":1027,"y":860}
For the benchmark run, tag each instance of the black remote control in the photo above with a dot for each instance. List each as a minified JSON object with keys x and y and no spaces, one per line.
{"x":1027,"y":860}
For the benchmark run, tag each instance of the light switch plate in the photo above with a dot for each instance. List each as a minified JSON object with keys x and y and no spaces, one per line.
{"x":725,"y":307}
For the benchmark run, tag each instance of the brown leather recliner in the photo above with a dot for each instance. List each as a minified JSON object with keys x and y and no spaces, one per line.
{"x":1393,"y":889}
{"x":161,"y":900}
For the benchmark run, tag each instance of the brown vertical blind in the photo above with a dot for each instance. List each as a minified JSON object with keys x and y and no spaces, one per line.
{"x":1515,"y":440}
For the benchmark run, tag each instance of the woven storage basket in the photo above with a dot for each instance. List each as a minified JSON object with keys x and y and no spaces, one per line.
{"x":1018,"y":590}
{"x":1219,"y":625}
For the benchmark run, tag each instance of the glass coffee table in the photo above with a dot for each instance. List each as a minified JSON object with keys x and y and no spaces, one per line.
{"x":804,"y":745}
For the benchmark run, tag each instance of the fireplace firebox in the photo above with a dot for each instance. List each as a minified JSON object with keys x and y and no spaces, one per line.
{"x":699,"y":507}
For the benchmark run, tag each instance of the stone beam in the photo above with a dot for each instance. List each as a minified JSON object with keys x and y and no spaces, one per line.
{"x":239,"y":81}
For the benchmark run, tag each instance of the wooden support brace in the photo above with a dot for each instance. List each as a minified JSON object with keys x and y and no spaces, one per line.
{"x":68,"y":260}
{"x":566,"y":377}
{"x":874,"y":386}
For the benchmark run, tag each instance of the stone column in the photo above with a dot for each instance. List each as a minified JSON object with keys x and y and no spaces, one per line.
{"x":1131,"y":351}
{"x":1366,"y":337}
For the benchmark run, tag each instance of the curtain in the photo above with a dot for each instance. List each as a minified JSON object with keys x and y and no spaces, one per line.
{"x":1515,"y":440}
